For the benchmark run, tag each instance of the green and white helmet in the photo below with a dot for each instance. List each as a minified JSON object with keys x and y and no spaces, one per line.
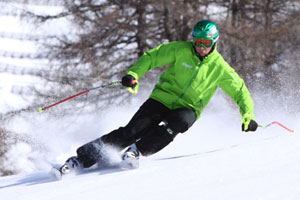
{"x":206,"y":29}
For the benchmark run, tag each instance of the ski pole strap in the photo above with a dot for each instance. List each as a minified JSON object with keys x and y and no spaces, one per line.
{"x":106,"y":85}
{"x":290,"y":130}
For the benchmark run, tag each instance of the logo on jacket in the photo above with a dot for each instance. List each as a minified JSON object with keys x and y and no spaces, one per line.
{"x":187,"y":65}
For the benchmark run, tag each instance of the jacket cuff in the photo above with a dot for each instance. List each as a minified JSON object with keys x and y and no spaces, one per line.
{"x":136,"y":77}
{"x":248,"y":116}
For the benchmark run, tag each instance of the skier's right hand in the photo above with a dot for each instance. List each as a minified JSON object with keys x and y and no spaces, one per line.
{"x":128,"y":81}
{"x":131,"y":84}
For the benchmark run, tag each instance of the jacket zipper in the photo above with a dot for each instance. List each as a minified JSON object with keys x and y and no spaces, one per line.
{"x":188,"y":85}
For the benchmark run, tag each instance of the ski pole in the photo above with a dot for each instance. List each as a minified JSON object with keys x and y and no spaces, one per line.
{"x":81,"y":93}
{"x":290,"y":130}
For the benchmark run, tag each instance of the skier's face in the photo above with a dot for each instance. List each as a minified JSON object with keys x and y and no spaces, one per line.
{"x":203,"y":51}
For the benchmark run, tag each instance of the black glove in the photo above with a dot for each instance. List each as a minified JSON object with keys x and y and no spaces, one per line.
{"x":128,"y":81}
{"x":252,"y":126}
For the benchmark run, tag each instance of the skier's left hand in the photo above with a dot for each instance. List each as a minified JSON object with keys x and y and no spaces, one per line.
{"x":248,"y":123}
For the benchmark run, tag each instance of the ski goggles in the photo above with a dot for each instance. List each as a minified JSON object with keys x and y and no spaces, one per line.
{"x":206,"y":43}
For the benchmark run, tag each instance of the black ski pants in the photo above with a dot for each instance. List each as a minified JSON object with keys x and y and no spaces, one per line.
{"x":152,"y":128}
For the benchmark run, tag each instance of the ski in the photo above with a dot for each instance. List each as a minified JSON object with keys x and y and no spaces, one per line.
{"x":56,"y":173}
{"x":129,"y":164}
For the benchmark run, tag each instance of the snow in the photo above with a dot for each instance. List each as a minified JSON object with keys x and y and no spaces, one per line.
{"x":213,"y":160}
{"x":251,"y":171}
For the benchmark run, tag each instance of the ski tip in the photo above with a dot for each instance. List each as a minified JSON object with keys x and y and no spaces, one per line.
{"x":133,"y":164}
{"x":56,"y":173}
{"x":40,"y":110}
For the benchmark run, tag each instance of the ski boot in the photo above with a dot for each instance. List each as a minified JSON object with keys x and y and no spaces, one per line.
{"x":72,"y":164}
{"x":130,"y":158}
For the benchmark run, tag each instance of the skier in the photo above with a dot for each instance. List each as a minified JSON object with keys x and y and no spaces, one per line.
{"x":196,"y":69}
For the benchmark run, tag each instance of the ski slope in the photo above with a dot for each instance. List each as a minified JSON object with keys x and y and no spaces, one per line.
{"x":213,"y":160}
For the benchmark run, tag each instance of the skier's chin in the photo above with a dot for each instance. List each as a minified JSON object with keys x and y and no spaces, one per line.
{"x":202,"y":51}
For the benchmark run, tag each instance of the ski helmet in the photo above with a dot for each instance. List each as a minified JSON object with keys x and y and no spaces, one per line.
{"x":207,"y":30}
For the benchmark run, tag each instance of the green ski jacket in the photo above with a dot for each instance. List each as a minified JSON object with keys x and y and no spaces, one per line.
{"x":189,"y":82}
